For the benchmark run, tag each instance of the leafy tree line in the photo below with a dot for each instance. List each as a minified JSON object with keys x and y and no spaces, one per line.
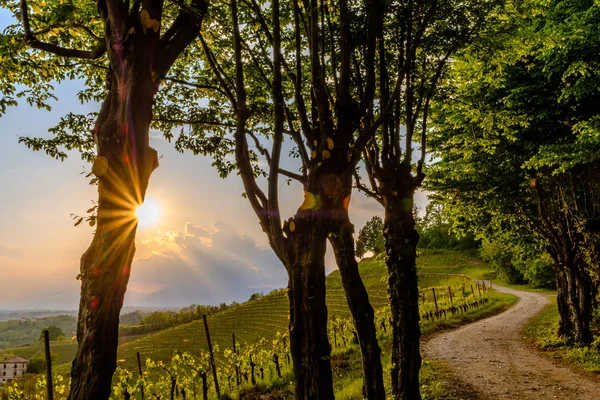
{"x":434,"y":229}
{"x":342,"y":83}
{"x":19,"y":332}
{"x":517,"y":141}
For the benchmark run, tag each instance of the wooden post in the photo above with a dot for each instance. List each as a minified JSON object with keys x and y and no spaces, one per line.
{"x":479,"y":289}
{"x":450,"y":293}
{"x":463,"y":290}
{"x":49,"y":383}
{"x":434,"y":299}
{"x":139,"y":362}
{"x":212,"y":357}
{"x":472,"y":290}
{"x":237,"y":368}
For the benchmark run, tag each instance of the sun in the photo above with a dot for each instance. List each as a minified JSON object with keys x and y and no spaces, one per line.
{"x":148,"y":213}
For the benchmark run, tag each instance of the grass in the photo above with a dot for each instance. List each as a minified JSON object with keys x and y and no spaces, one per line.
{"x":435,"y":378}
{"x":541,"y":332}
{"x":266,"y":316}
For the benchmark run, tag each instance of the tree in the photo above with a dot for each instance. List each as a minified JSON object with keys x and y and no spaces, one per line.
{"x":370,"y":238}
{"x":134,"y":45}
{"x":37,"y":363}
{"x":418,"y":40}
{"x":269,"y":96}
{"x":54,"y":332}
{"x":516,"y":151}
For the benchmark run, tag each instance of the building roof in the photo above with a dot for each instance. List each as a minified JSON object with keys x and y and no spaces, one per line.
{"x":13,"y":360}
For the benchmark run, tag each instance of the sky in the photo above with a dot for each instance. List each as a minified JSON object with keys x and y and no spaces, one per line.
{"x":206,"y":246}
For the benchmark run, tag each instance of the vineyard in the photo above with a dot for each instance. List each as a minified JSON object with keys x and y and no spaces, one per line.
{"x":176,"y":363}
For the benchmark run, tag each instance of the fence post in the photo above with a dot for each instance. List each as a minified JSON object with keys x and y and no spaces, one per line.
{"x":479,"y":289}
{"x":49,"y":383}
{"x":139,"y":362}
{"x":434,"y":299}
{"x":450,"y":292}
{"x":212,"y":357}
{"x":237,"y":368}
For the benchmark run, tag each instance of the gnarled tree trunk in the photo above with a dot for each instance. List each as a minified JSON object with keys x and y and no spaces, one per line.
{"x":401,"y":245}
{"x":565,"y":327}
{"x":308,"y":311}
{"x":138,"y":60}
{"x":123,"y":167}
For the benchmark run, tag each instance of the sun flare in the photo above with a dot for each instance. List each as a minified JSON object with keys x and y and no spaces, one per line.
{"x":148,"y":214}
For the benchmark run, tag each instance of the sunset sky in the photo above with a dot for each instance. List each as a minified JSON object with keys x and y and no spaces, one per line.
{"x":206,"y":247}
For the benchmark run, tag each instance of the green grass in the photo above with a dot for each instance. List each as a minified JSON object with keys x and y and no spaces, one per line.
{"x":541,"y":331}
{"x":434,"y":376}
{"x":266,"y":316}
{"x":263,"y":317}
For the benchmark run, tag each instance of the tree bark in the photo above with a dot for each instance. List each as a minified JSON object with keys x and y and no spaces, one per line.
{"x":308,"y":311}
{"x":123,"y":166}
{"x":342,"y":240}
{"x":584,"y":294}
{"x":565,"y":327}
{"x":401,"y":244}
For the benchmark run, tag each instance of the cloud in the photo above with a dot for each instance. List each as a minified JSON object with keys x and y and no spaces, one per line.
{"x":178,"y":269}
{"x":195,"y":231}
{"x":7,"y":250}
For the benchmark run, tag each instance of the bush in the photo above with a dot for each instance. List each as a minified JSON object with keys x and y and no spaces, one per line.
{"x":500,"y":256}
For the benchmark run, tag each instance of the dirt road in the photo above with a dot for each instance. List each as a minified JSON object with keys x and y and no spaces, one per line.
{"x":490,"y":358}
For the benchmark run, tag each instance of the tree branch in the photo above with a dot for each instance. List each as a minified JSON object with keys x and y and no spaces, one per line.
{"x":31,"y":40}
{"x":185,"y":29}
{"x":196,"y":85}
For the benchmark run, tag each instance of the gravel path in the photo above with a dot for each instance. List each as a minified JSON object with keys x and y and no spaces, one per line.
{"x":490,"y":358}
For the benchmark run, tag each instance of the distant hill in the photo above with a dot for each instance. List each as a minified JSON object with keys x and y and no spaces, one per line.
{"x":8,"y":315}
{"x":25,"y":331}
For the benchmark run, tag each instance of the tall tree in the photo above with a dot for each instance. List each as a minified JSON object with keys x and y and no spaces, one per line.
{"x":370,"y":238}
{"x":418,"y":39}
{"x":289,"y":75}
{"x":134,"y":44}
{"x":518,"y":149}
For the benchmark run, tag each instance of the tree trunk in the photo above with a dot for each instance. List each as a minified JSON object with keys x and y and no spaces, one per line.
{"x":584,"y":294}
{"x":123,"y":167}
{"x":565,"y":327}
{"x":401,"y":244}
{"x":309,"y":342}
{"x":342,"y":240}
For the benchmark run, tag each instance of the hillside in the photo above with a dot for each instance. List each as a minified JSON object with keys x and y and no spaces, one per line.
{"x":20,"y":332}
{"x":268,"y":315}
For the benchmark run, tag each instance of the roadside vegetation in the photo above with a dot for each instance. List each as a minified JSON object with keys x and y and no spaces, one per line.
{"x":542,"y":330}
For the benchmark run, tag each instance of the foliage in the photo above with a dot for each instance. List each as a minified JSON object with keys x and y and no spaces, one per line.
{"x":370,"y":238}
{"x":25,"y":331}
{"x":541,"y":331}
{"x":511,"y":158}
{"x":37,"y":363}
{"x":54,"y":333}
{"x":435,"y":231}
{"x":183,"y":374}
